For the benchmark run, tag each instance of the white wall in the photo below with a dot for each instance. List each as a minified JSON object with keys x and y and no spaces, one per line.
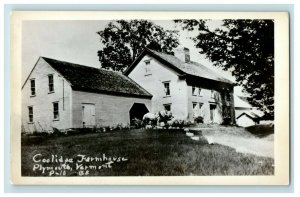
{"x":153,"y":83}
{"x":206,"y":99}
{"x":245,"y":121}
{"x":43,"y":101}
{"x":181,"y":94}
{"x":110,"y":110}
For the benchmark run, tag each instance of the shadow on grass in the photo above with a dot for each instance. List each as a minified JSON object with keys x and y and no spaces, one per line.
{"x":261,"y":130}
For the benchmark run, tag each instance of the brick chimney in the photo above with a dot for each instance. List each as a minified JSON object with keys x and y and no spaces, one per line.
{"x":182,"y":53}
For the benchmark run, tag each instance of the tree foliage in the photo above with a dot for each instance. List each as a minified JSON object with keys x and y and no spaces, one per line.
{"x":124,"y":40}
{"x":246,"y":48}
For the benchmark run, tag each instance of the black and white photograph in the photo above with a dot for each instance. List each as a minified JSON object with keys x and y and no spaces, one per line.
{"x":149,"y":97}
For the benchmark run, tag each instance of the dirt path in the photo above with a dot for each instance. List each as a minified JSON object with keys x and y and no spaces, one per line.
{"x":242,"y":142}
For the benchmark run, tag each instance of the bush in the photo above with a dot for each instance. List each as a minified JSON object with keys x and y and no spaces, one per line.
{"x":56,"y":132}
{"x":150,"y":122}
{"x":119,"y":127}
{"x":187,"y":123}
{"x":165,"y":116}
{"x":136,"y":123}
{"x":106,"y":129}
{"x":226,"y":121}
{"x":198,"y":119}
{"x":40,"y":134}
{"x":178,"y":123}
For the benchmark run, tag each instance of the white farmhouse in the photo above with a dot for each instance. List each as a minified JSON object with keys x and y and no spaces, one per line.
{"x":186,"y":88}
{"x":64,"y":95}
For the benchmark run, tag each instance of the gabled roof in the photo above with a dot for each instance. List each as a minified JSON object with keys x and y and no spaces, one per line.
{"x":240,"y":102}
{"x":183,"y":68}
{"x":250,"y":114}
{"x":89,"y":79}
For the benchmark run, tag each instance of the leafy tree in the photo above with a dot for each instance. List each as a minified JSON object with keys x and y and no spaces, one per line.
{"x":124,"y":40}
{"x":244,"y":47}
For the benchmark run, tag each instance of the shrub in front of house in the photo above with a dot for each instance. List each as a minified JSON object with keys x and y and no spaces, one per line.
{"x":198,"y":119}
{"x":136,"y":123}
{"x":151,"y":123}
{"x":226,"y":121}
{"x":40,"y":134}
{"x":187,"y":123}
{"x":118,"y":127}
{"x":178,"y":123}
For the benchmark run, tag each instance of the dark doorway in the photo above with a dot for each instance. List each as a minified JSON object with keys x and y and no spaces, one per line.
{"x":138,"y":110}
{"x":212,"y":108}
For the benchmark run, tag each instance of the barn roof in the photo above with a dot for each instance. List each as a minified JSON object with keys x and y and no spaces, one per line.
{"x":190,"y":68}
{"x":89,"y":79}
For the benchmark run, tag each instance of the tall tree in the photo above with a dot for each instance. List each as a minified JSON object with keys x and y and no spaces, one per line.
{"x":124,"y":40}
{"x":246,"y":48}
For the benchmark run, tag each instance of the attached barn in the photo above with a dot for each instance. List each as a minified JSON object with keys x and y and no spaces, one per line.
{"x":64,"y":95}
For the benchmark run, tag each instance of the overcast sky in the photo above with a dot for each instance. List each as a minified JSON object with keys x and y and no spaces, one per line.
{"x":78,"y":42}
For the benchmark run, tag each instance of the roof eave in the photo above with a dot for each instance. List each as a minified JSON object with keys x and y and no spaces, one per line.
{"x":183,"y":76}
{"x":146,"y":50}
{"x":30,"y":72}
{"x":134,"y":63}
{"x":111,"y":92}
{"x":253,"y":118}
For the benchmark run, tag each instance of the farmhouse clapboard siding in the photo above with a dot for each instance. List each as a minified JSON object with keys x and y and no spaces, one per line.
{"x":42,"y":101}
{"x":192,"y":89}
{"x":110,"y":109}
{"x":68,"y":95}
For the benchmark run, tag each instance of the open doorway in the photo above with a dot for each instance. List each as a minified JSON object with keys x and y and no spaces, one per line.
{"x":137,"y":111}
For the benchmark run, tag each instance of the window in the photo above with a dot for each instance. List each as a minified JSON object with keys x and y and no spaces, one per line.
{"x":32,"y":87}
{"x":50,"y":83}
{"x":55,"y":111}
{"x":30,"y":113}
{"x":194,"y":106}
{"x":200,"y":92}
{"x":200,"y":106}
{"x":167,"y":88}
{"x":194,"y":90}
{"x":147,"y":66}
{"x":167,"y":107}
{"x":197,"y":110}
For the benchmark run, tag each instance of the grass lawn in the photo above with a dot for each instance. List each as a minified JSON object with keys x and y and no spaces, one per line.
{"x":147,"y":153}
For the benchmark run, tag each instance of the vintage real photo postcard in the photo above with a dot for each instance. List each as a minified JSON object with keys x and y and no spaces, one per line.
{"x":149,"y":98}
